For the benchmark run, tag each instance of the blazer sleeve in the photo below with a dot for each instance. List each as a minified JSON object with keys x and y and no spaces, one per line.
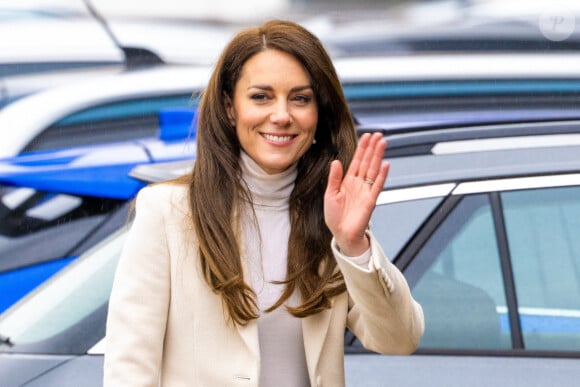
{"x":382,"y":312}
{"x":139,"y":301}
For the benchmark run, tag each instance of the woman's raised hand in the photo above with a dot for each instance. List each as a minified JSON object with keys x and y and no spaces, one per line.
{"x":350,"y":199}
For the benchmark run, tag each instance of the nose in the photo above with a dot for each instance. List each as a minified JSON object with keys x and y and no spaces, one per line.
{"x":281,"y":115}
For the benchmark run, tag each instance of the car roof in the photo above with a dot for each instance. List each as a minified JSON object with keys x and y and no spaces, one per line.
{"x":459,"y":33}
{"x":53,"y":104}
{"x":458,"y":154}
{"x":66,"y":30}
{"x":19,"y":126}
{"x":19,"y":86}
{"x":483,"y":152}
{"x":430,"y":67}
{"x":174,"y":41}
{"x":452,"y":26}
{"x":75,"y":43}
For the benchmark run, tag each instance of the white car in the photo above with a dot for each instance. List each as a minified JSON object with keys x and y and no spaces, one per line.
{"x":43,"y":36}
{"x":98,"y":110}
{"x":48,"y":43}
{"x":56,"y":42}
{"x":125,"y":105}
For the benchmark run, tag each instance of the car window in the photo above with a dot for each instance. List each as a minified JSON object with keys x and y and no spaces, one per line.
{"x":393,"y":224}
{"x":111,"y":122}
{"x":457,"y":278}
{"x":41,"y":232}
{"x":543,"y":229}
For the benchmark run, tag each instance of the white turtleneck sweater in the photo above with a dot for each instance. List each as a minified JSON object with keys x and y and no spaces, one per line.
{"x":265,"y":245}
{"x":265,"y":252}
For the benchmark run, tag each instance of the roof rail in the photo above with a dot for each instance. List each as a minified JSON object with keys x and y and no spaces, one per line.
{"x":420,"y":142}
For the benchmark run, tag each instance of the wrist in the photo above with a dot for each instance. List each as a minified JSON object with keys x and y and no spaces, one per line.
{"x":354,"y":248}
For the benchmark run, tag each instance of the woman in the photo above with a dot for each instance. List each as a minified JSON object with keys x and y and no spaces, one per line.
{"x":247,"y":271}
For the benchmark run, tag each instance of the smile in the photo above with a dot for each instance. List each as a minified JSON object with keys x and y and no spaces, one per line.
{"x":278,"y":139}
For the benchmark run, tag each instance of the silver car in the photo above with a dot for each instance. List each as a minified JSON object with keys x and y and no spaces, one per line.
{"x":482,"y":220}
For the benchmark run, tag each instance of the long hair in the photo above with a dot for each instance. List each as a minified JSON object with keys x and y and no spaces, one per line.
{"x":216,"y":188}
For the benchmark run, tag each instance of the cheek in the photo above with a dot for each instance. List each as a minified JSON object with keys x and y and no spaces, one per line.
{"x":309,"y":120}
{"x":248,"y":116}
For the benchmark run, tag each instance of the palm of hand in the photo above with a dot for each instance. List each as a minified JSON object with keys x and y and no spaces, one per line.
{"x":350,"y":199}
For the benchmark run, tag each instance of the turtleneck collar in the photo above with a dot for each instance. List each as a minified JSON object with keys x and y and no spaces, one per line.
{"x":267,"y":190}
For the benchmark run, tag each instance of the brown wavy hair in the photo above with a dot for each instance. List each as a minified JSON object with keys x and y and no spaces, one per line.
{"x":216,"y":187}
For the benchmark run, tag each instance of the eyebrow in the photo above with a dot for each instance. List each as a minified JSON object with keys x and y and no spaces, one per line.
{"x":270,"y":88}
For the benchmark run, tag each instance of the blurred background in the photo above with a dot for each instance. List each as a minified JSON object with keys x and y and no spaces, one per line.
{"x":478,"y":99}
{"x":47,"y":35}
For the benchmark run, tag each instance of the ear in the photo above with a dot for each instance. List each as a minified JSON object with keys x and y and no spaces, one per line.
{"x":230,"y":111}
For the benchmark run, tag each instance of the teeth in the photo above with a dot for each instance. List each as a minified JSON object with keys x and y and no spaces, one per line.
{"x":279,"y":139}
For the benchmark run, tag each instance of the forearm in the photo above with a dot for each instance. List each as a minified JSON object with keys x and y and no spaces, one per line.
{"x":383,"y":313}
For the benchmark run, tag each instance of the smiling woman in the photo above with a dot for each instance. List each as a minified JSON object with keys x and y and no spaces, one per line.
{"x":252,"y":267}
{"x":275,"y":118}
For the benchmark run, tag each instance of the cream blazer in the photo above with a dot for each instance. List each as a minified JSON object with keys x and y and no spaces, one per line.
{"x":166,"y":327}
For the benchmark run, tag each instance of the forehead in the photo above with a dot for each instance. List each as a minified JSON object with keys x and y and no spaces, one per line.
{"x":273,"y":65}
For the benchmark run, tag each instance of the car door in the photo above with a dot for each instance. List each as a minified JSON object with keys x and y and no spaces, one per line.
{"x":496,"y":268}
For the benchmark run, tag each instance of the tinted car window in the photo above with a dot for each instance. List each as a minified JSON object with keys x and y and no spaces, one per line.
{"x":543,"y":229}
{"x":393,"y":224}
{"x":457,"y":279}
{"x":47,"y":230}
{"x":111,"y":122}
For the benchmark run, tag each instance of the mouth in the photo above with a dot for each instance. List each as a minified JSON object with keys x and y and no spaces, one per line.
{"x":276,"y":139}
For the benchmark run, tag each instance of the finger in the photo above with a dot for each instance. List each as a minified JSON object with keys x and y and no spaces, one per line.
{"x":381,"y":178}
{"x":358,"y":155}
{"x":367,"y":157}
{"x":334,"y":177}
{"x":374,"y":157}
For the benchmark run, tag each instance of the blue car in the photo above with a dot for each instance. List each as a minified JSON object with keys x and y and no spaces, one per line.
{"x":55,"y":205}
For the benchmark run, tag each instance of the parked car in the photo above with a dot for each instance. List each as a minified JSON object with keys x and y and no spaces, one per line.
{"x":126,"y":107}
{"x":406,"y":98}
{"x":50,"y":43}
{"x":98,"y":110}
{"x":44,"y":36}
{"x":480,"y":210}
{"x":481,"y":219}
{"x":388,"y":94}
{"x":77,"y":43}
{"x":395,"y":92}
{"x":470,"y":26}
{"x":55,"y":205}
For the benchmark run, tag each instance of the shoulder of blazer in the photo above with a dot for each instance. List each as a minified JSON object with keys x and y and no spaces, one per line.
{"x":170,"y":197}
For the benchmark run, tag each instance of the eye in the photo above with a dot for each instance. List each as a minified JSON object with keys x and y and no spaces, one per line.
{"x":302,"y":98}
{"x":259,"y":97}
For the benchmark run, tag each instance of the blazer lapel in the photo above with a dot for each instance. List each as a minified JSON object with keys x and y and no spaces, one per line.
{"x":249,"y":332}
{"x":314,"y":329}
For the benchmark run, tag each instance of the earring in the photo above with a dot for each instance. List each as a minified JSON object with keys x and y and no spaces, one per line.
{"x":313,"y":141}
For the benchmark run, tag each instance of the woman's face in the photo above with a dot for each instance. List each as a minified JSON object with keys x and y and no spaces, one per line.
{"x":274,"y":110}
